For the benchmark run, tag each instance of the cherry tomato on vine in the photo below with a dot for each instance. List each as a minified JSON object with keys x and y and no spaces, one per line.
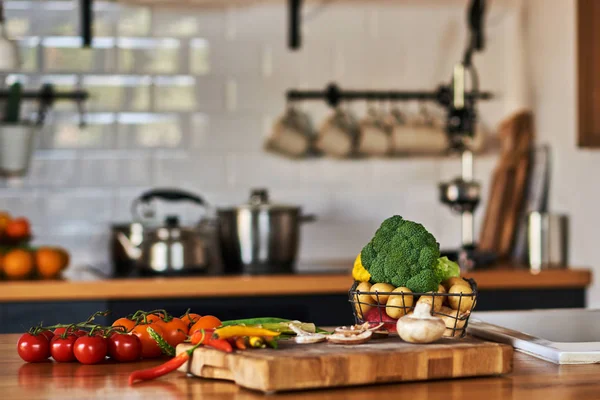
{"x":126,"y":323}
{"x":33,"y":348}
{"x":124,"y":347}
{"x":90,"y":349}
{"x":206,"y":322}
{"x":155,"y":319}
{"x":49,"y":335}
{"x":190,"y":318}
{"x":77,"y":332}
{"x":61,"y":349}
{"x":175,"y":331}
{"x":150,"y":348}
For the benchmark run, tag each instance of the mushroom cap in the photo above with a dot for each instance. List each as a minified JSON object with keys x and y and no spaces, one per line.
{"x":421,"y":326}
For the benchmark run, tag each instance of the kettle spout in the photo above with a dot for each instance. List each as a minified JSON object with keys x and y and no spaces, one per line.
{"x":133,"y":252}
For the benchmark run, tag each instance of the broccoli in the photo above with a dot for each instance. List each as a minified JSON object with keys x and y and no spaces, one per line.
{"x":403,"y":253}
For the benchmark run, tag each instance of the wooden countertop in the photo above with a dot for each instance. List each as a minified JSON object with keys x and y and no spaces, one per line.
{"x":531,"y":379}
{"x":265,"y":285}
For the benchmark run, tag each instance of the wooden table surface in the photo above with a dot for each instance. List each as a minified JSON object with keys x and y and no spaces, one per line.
{"x":262,"y":285}
{"x":531,"y":379}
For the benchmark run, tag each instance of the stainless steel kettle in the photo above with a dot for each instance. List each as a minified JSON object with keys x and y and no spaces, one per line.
{"x":164,"y":249}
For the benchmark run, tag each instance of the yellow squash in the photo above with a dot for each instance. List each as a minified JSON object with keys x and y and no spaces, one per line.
{"x":359,"y":273}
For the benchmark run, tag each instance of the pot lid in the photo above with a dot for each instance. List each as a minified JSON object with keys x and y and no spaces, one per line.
{"x":259,"y":200}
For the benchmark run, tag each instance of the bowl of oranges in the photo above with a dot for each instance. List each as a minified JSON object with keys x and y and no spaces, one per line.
{"x":19,"y":260}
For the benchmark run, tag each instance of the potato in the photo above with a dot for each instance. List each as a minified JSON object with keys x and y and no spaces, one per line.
{"x":381,"y":287}
{"x":454,"y":321}
{"x":364,"y":301}
{"x":457,"y":280}
{"x":435,"y":301}
{"x":466,"y":301}
{"x":399,"y":304}
{"x":442,"y":289}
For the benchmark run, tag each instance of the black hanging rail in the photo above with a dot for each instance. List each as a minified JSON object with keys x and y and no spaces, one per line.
{"x":333,"y":95}
{"x":46,"y":97}
{"x":49,"y":96}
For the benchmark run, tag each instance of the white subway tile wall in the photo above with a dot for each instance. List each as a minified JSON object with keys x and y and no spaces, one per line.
{"x":185,"y":97}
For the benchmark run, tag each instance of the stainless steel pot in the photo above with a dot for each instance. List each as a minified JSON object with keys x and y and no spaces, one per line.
{"x":164,"y":249}
{"x":259,"y":236}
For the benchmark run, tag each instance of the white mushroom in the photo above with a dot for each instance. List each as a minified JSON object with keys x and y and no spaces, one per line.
{"x":420,"y":326}
{"x":357,"y":329}
{"x":310,"y":339}
{"x":304,"y":337}
{"x":340,"y":338}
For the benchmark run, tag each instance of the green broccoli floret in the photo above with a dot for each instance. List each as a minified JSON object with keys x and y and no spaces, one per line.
{"x":402,"y":253}
{"x":446,"y":269}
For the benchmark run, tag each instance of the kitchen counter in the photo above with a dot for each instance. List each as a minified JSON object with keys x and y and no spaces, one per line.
{"x":531,"y":379}
{"x":319,"y":297}
{"x":501,"y":278}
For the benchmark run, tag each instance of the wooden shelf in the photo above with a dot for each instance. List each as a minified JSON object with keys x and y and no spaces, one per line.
{"x":247,"y":3}
{"x":267,"y":285}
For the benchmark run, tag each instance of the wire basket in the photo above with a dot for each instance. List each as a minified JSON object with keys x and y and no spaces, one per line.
{"x":387,"y":307}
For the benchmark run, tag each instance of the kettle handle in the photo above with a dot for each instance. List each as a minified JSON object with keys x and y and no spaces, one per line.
{"x":167,"y":195}
{"x":170,"y":195}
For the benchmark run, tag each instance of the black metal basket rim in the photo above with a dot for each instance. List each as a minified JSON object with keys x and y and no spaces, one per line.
{"x":471,"y":281}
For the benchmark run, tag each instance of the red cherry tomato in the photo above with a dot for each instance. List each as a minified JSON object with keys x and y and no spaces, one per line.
{"x":33,"y":348}
{"x":175,"y":331}
{"x":124,"y":348}
{"x":150,"y":348}
{"x":61,"y":349}
{"x":90,"y":349}
{"x":49,"y":335}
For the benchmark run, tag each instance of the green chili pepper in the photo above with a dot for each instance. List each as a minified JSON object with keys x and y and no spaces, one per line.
{"x":165,"y":347}
{"x":255,"y":321}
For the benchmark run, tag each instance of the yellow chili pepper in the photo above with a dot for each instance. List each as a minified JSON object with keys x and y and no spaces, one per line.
{"x":257,"y":342}
{"x":238,"y":330}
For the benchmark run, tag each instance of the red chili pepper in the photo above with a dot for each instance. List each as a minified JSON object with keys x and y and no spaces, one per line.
{"x":201,"y":336}
{"x":163,"y":369}
{"x":240,"y":342}
{"x":219,"y":344}
{"x":204,"y":336}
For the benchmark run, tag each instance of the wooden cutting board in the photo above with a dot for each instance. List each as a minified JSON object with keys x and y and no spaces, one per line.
{"x":324,"y":365}
{"x":508,"y":187}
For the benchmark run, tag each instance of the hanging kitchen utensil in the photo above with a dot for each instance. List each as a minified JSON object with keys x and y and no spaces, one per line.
{"x":293,"y":134}
{"x":260,"y":236}
{"x":166,"y":248}
{"x":374,"y":137}
{"x":339,"y":134}
{"x":423,"y":135}
{"x":9,"y":51}
{"x":16,"y":136}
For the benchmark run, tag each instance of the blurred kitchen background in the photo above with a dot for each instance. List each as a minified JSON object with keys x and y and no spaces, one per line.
{"x":186,"y":96}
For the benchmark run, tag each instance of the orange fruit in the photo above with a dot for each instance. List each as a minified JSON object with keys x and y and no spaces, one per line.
{"x":206,"y":322}
{"x":18,"y":264}
{"x":50,"y":262}
{"x":18,"y":228}
{"x":4,"y":220}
